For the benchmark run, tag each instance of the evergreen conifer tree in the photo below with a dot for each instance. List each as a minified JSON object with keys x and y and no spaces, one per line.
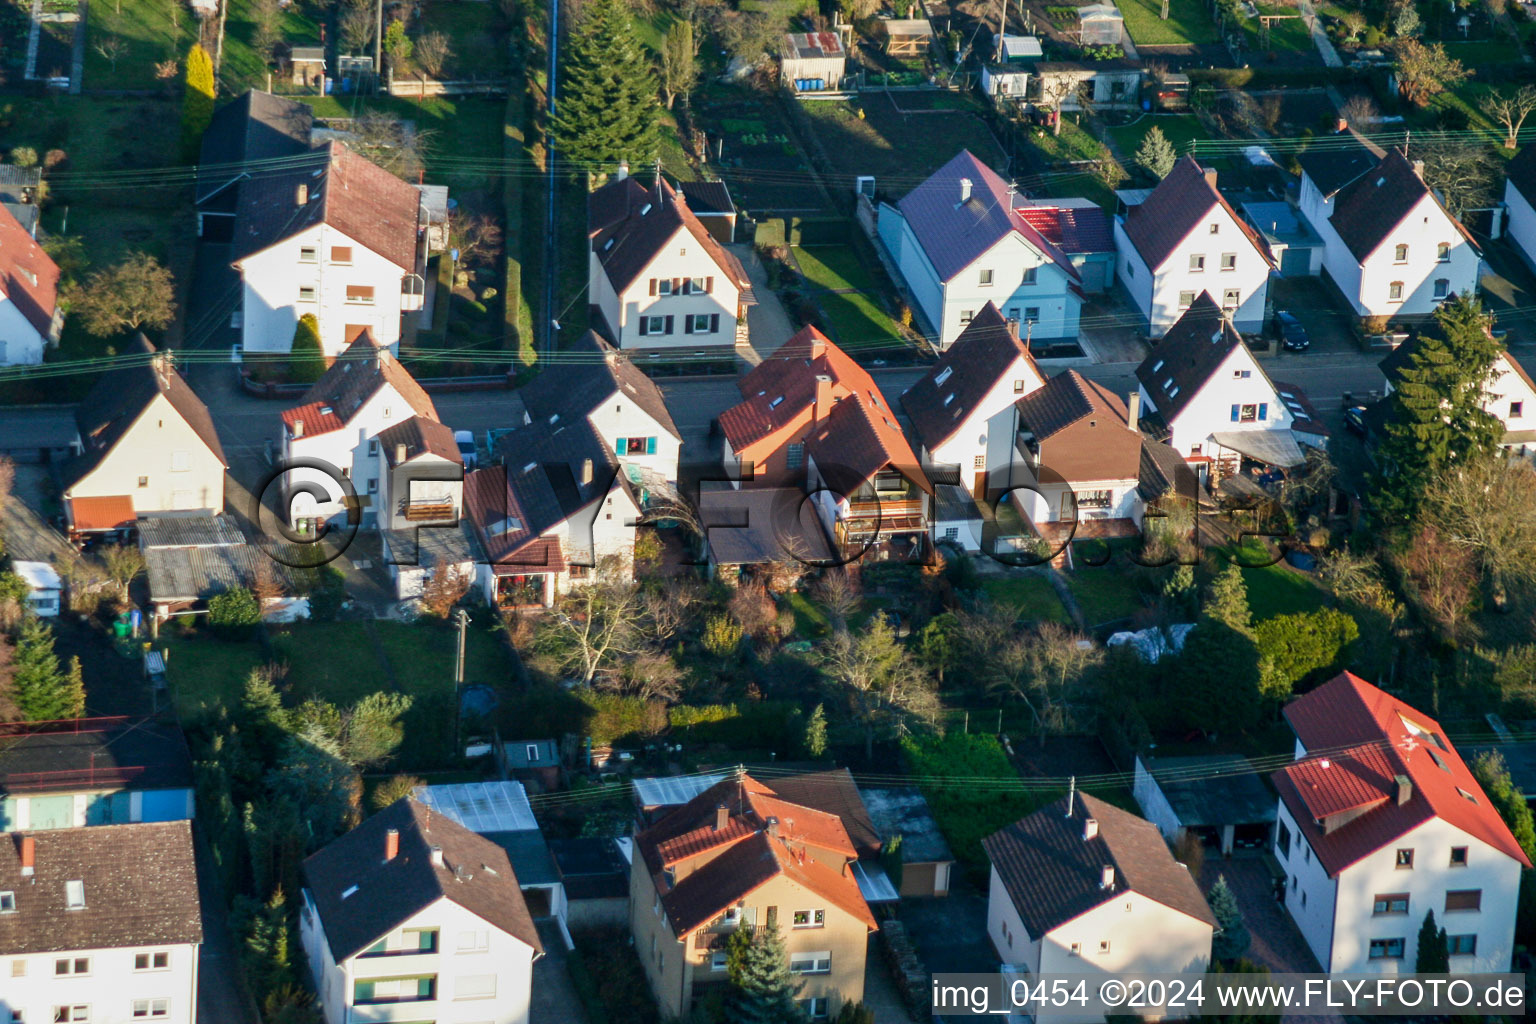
{"x":764,"y":987}
{"x":1226,"y":599}
{"x":1434,"y":949}
{"x":1232,"y":938}
{"x":306,"y":359}
{"x":40,"y":690}
{"x":1156,"y":155}
{"x":816,"y":732}
{"x":197,"y":104}
{"x":607,"y":105}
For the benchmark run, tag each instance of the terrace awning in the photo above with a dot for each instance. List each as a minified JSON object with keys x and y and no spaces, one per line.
{"x":1271,"y":447}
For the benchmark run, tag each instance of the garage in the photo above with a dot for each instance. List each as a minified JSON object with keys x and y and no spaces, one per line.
{"x":1218,"y":797}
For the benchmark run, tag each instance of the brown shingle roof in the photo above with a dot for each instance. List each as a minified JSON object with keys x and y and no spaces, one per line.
{"x":1052,"y":874}
{"x":420,"y":436}
{"x":857,"y":441}
{"x":970,"y":368}
{"x":360,"y":897}
{"x":140,"y":888}
{"x":629,"y":223}
{"x":1179,"y":204}
{"x":834,"y":792}
{"x":358,"y":373}
{"x":1085,"y":427}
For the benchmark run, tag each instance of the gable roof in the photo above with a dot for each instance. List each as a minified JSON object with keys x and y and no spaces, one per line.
{"x":1521,"y":172}
{"x":247,"y":131}
{"x":590,"y":375}
{"x":1371,"y":206}
{"x":835,"y":793}
{"x":360,"y":897}
{"x":1344,"y":796}
{"x":92,"y":754}
{"x":857,"y":440}
{"x":708,"y":198}
{"x":420,"y":436}
{"x":1338,"y":159}
{"x":1052,"y":874}
{"x":946,"y":396}
{"x":361,"y":370}
{"x":1087,"y":425}
{"x":953,"y":234}
{"x":1193,"y":349}
{"x":765,"y":837}
{"x":628,"y":224}
{"x":1174,"y":209}
{"x":122,"y":395}
{"x":140,"y":884}
{"x":342,"y":189}
{"x":28,"y":276}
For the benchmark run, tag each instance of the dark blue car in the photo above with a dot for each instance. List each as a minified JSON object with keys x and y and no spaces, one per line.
{"x":1292,"y":333}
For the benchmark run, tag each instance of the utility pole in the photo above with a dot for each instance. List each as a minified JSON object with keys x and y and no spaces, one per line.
{"x":461,"y":619}
{"x":378,"y":37}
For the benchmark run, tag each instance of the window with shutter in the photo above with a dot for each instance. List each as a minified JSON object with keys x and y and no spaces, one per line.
{"x":668,"y":329}
{"x":650,"y":446}
{"x":714,"y":322}
{"x":621,"y":445}
{"x":1235,"y":411}
{"x":1463,"y":899}
{"x":653,"y":286}
{"x":1263,"y":411}
{"x":709,"y":286}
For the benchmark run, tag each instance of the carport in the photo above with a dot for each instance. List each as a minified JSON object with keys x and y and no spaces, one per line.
{"x":1218,"y":797}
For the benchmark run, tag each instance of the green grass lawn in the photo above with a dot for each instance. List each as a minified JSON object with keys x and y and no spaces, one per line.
{"x":1484,"y":51}
{"x":474,"y":46}
{"x":1180,"y":129}
{"x":856,"y":318}
{"x":1074,"y":142}
{"x":1104,"y":593}
{"x":1030,"y":594}
{"x":1188,"y":22}
{"x":1274,"y":589}
{"x":206,"y":674}
{"x":1287,"y":34}
{"x":151,"y":31}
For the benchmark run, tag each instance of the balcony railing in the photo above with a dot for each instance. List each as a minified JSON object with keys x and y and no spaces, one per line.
{"x":884,"y":508}
{"x":433,"y":509}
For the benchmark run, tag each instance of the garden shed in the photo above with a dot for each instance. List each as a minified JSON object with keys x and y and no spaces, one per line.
{"x":1218,"y":797}
{"x":906,"y":37}
{"x":813,"y":61}
{"x":1012,"y":48}
{"x":1100,"y":25}
{"x":925,"y":857}
{"x":306,"y":65}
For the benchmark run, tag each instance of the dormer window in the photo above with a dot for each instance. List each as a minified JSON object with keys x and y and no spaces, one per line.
{"x":944,"y":375}
{"x":74,"y":895}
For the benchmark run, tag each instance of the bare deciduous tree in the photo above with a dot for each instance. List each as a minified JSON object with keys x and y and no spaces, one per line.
{"x":390,"y":143}
{"x":597,"y":626}
{"x":1425,"y":70}
{"x":1359,"y":110}
{"x":357,"y":25}
{"x":111,"y":47}
{"x":1466,"y":175}
{"x":840,"y":593}
{"x":123,"y":563}
{"x":1488,"y":508}
{"x":477,"y":236}
{"x":266,"y":26}
{"x":443,"y":589}
{"x":1440,"y":578}
{"x":432,"y":53}
{"x":1511,"y":109}
{"x":878,"y":680}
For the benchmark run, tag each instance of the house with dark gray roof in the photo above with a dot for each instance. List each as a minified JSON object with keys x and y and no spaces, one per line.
{"x":661,"y":282}
{"x":1082,"y":887}
{"x":1509,"y":393}
{"x":249,"y":137}
{"x":412,"y":908}
{"x":1520,"y":203}
{"x":149,"y":446}
{"x":962,"y":239}
{"x":192,"y":557}
{"x":101,"y":924}
{"x":1389,"y":244}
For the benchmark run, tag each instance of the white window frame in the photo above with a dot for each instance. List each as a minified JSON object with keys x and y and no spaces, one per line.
{"x":154,"y":1009}
{"x":986,"y":279}
{"x":72,"y":967}
{"x":814,"y":918}
{"x":309,"y":254}
{"x":311,"y":293}
{"x":818,"y":962}
{"x":73,"y":1013}
{"x":1229,"y":261}
{"x":1197,"y":263}
{"x":74,"y":895}
{"x":149,"y":957}
{"x":360,"y":300}
{"x":696,"y":323}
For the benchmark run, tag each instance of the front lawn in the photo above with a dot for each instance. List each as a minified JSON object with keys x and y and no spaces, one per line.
{"x":855,"y":319}
{"x":1029,"y":594}
{"x":1188,"y":22}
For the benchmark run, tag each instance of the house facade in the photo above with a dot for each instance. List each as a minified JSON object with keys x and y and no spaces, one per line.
{"x":337,"y":237}
{"x":1082,"y":887}
{"x":1185,"y":239}
{"x":30,"y":317}
{"x":411,"y":916}
{"x":662,"y":282}
{"x":1520,"y":203}
{"x":149,"y":446}
{"x":961,"y":241}
{"x":1388,"y":242}
{"x":1379,"y":822}
{"x":739,"y":856}
{"x":100,"y":924}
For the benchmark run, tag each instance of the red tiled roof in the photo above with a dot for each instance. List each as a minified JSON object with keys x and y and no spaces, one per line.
{"x":1368,"y":738}
{"x":104,"y":513}
{"x":535,"y":555}
{"x":858,"y":440}
{"x":1174,"y":209}
{"x":28,"y":276}
{"x":702,"y":840}
{"x":799,"y":823}
{"x":317,"y":417}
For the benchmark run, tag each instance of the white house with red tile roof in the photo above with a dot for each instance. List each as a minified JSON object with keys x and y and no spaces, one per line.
{"x":333,"y":235}
{"x":1380,"y":821}
{"x":338,"y":422}
{"x":30,"y":318}
{"x":1184,"y":239}
{"x":962,"y":239}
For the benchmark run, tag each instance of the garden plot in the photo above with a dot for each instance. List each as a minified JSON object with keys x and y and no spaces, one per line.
{"x":758,"y":157}
{"x":902,"y":138}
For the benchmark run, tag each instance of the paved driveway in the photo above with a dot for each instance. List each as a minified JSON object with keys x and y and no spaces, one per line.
{"x":1320,"y":311}
{"x":554,"y":999}
{"x":951,"y":932}
{"x":1277,"y":942}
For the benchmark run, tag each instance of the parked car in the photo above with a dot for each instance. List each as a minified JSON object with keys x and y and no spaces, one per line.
{"x":1354,"y":419}
{"x":465,"y":439}
{"x":1292,"y":333}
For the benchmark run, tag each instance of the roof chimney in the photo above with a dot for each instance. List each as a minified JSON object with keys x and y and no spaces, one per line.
{"x":622,"y":172}
{"x":1107,"y":877}
{"x":818,"y":345}
{"x":399,"y":454}
{"x":722,"y":817}
{"x":1418,"y":169}
{"x":965,"y":191}
{"x":1341,"y":125}
{"x":437,"y":856}
{"x":298,"y":428}
{"x":391,"y":844}
{"x":1090,"y":828}
{"x":1133,"y":409}
{"x":1210,"y":176}
{"x":586,"y":471}
{"x":823,"y":407}
{"x":28,"y":856}
{"x":301,"y":195}
{"x":1404,"y":789}
{"x":772,"y":827}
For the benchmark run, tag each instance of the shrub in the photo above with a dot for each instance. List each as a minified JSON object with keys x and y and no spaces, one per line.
{"x":722,"y":635}
{"x":965,"y":814}
{"x":234,"y":612}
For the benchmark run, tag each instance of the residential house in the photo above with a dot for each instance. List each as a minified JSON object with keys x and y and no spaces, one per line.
{"x":337,"y":423}
{"x":1082,"y":887}
{"x":30,"y":316}
{"x":421,"y":496}
{"x":812,"y":61}
{"x":411,"y":911}
{"x":44,"y":587}
{"x":739,"y":855}
{"x":1082,"y":231}
{"x":661,"y":281}
{"x":1214,"y":403}
{"x":1379,"y":823}
{"x":21,"y":192}
{"x":500,"y":812}
{"x":149,"y":446}
{"x":1520,"y":203}
{"x":245,"y":133}
{"x":1184,"y":239}
{"x":331,"y":234}
{"x":92,"y":771}
{"x":1509,"y":394}
{"x":960,"y":241}
{"x":192,"y":557}
{"x":100,"y":924}
{"x":1078,"y":469}
{"x":962,"y":409}
{"x":1389,"y":243}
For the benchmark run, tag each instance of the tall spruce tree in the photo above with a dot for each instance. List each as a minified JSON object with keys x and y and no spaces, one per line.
{"x":607,"y":105}
{"x":764,"y":988}
{"x":1434,"y":955}
{"x":40,"y":689}
{"x":197,"y":104}
{"x":1232,"y":938}
{"x":1435,"y":416}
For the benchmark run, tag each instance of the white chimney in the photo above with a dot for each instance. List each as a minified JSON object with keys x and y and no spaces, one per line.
{"x":301,"y":195}
{"x":622,"y":172}
{"x":298,"y":428}
{"x":1090,"y":828}
{"x":586,"y":471}
{"x":1107,"y":877}
{"x":437,"y":856}
{"x":1132,"y":409}
{"x":399,"y":454}
{"x":965,"y":191}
